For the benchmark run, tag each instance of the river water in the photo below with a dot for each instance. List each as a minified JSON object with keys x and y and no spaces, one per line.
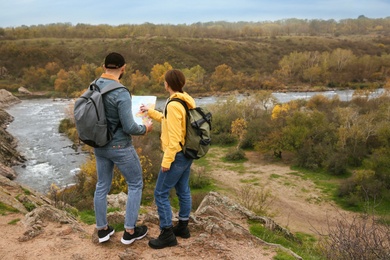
{"x":50,"y":157}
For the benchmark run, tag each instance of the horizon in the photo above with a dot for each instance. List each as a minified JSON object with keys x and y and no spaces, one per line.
{"x":44,"y":12}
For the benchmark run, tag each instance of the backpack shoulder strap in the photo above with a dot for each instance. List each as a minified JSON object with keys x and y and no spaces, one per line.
{"x":178,"y":100}
{"x":112,"y":86}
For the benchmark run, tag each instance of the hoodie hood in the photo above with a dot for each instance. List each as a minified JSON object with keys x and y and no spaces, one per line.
{"x":186,"y":98}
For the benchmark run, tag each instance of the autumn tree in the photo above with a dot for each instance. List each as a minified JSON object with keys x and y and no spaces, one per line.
{"x":195,"y":78}
{"x":157,"y":75}
{"x":338,"y":62}
{"x":139,"y":82}
{"x":86,"y":74}
{"x":68,"y":82}
{"x":222,"y":79}
{"x":35,"y":78}
{"x":239,"y":127}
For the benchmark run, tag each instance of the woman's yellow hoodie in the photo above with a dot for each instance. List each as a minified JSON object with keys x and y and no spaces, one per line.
{"x":173,"y":127}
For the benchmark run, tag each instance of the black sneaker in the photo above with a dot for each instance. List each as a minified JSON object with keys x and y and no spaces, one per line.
{"x":139,"y":233}
{"x":104,"y":234}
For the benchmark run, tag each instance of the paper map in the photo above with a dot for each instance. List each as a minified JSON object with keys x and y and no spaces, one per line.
{"x":149,"y":101}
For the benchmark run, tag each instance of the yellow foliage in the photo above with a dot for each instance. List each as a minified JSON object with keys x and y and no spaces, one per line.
{"x":239,"y":127}
{"x":279,"y":109}
{"x":360,"y":176}
{"x":118,"y":183}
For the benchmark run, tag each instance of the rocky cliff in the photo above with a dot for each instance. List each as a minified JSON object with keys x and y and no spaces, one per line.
{"x":9,"y":156}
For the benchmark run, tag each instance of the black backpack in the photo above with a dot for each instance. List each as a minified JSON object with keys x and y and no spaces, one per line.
{"x":90,"y":117}
{"x":198,"y":131}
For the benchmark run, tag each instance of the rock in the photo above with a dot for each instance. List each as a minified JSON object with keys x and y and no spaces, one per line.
{"x":23,"y":90}
{"x":35,"y":221}
{"x":9,"y":156}
{"x":7,"y":99}
{"x":7,"y":172}
{"x":117,"y":200}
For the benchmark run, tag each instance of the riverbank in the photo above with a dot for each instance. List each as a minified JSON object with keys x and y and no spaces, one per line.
{"x":9,"y":156}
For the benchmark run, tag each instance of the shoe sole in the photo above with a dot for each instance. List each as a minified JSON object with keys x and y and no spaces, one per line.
{"x":128,"y":242}
{"x":106,"y":238}
{"x":184,"y":236}
{"x":174,"y":243}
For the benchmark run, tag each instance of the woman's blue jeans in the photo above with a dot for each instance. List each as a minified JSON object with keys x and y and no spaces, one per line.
{"x":127,"y":161}
{"x":178,"y":177}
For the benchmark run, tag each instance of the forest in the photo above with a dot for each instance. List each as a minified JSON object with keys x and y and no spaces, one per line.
{"x":284,"y":55}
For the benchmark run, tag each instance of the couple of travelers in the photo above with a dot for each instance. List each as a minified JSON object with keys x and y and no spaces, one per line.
{"x":175,"y":167}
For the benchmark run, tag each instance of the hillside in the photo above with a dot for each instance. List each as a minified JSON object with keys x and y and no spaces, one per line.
{"x":248,"y":55}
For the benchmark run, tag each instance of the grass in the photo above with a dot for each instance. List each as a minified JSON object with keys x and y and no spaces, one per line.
{"x":4,"y":209}
{"x":305,"y":244}
{"x":87,"y":216}
{"x":252,"y":180}
{"x":327,"y":183}
{"x":14,"y":221}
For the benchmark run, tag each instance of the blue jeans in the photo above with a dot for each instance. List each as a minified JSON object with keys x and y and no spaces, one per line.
{"x":178,"y":176}
{"x":127,"y":161}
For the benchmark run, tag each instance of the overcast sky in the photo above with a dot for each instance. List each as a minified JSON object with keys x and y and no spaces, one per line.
{"x":15,"y":13}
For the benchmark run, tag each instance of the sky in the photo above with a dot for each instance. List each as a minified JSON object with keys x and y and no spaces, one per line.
{"x":16,"y":13}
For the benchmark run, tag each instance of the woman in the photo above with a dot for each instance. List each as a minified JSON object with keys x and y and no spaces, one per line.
{"x":175,"y":167}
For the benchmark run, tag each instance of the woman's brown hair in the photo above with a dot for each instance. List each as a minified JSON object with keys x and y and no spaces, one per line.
{"x":175,"y":79}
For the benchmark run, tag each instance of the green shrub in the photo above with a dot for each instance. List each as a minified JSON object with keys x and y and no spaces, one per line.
{"x":235,"y":155}
{"x":223,"y":139}
{"x":5,"y":208}
{"x":199,"y":178}
{"x":65,"y":125}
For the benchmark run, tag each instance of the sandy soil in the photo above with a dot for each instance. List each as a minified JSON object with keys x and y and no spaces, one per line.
{"x":296,"y":204}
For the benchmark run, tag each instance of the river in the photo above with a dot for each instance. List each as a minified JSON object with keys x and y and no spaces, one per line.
{"x":50,"y":157}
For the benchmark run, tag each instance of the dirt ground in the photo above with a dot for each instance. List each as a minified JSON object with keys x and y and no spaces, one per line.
{"x":296,"y":205}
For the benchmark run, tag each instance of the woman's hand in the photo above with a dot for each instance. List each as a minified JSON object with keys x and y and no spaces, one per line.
{"x":143,"y":108}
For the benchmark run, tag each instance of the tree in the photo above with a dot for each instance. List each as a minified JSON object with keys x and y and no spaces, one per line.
{"x":87,"y":73}
{"x":239,"y":127}
{"x":62,"y":83}
{"x":157,"y":75}
{"x":195,"y":78}
{"x":222,"y":79}
{"x":158,"y":72}
{"x":139,"y":82}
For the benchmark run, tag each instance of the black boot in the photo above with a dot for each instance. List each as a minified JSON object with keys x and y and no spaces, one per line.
{"x":181,"y":229}
{"x":165,"y":239}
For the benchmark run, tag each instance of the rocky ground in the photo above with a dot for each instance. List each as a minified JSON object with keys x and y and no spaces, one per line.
{"x":219,"y":227}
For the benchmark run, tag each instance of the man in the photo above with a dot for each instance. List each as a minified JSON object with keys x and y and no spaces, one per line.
{"x":120,"y":152}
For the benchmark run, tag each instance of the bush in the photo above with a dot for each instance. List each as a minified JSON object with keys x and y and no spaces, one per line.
{"x":337,"y":163}
{"x":360,"y":238}
{"x":235,"y":155}
{"x":199,"y":178}
{"x":223,"y":139}
{"x":65,"y":125}
{"x":256,"y":200}
{"x":197,"y":199}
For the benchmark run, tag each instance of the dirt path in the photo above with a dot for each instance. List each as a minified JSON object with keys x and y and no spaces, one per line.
{"x":296,"y":203}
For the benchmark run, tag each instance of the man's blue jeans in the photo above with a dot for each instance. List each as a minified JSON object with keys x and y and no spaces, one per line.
{"x":178,"y":176}
{"x":127,"y":161}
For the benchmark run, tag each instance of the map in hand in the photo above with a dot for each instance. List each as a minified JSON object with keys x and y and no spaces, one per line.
{"x":140,"y":117}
